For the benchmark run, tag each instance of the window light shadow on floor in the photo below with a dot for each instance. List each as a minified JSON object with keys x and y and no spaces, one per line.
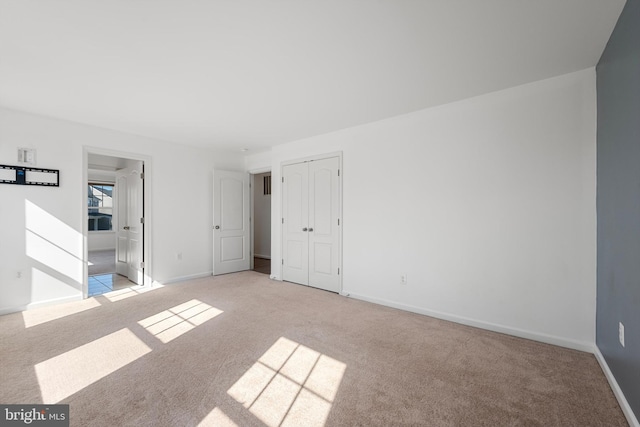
{"x":217,"y":418}
{"x":33,"y":318}
{"x":125,"y":293}
{"x":170,"y":324}
{"x":66,"y":374}
{"x":290,"y":385}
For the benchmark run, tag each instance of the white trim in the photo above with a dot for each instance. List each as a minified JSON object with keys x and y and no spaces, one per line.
{"x":184,"y":278}
{"x":39,"y":304}
{"x":535,"y":336}
{"x":258,"y":171}
{"x":311,"y":158}
{"x":617,"y":391}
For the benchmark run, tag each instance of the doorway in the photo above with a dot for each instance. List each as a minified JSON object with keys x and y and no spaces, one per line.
{"x":261,"y":222}
{"x":115,"y":246}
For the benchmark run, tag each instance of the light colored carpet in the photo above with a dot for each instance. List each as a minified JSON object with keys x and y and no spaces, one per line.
{"x":102,"y":262}
{"x":243,"y":350}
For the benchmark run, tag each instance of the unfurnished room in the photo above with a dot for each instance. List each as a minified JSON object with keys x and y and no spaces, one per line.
{"x":336,"y":213}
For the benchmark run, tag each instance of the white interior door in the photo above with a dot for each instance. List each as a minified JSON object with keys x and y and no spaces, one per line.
{"x":121,"y":220}
{"x":295,"y":229}
{"x":135,"y":215}
{"x":231,"y":209}
{"x":324,"y":217}
{"x":311,"y":223}
{"x":130,"y":233}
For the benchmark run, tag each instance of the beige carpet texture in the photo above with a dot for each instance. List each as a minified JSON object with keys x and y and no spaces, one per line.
{"x":243,"y":350}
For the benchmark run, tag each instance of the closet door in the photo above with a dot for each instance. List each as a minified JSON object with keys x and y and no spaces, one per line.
{"x":311,"y":223}
{"x":324,"y":233}
{"x":295,"y":235}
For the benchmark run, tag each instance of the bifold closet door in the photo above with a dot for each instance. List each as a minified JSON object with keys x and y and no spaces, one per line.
{"x":311,"y":237}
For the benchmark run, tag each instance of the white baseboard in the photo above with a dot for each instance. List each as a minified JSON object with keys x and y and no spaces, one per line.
{"x":617,"y":391}
{"x":262,"y":256}
{"x":535,"y":336}
{"x":31,"y":306}
{"x":183,"y":278}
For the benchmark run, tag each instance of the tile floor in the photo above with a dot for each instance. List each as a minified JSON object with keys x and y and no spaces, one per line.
{"x":101,"y":283}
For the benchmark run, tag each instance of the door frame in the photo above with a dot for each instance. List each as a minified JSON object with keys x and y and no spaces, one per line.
{"x":252,"y":215}
{"x":337,"y":154}
{"x":147,"y":253}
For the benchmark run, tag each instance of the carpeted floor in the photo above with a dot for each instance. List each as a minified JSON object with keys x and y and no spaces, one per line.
{"x":243,"y":350}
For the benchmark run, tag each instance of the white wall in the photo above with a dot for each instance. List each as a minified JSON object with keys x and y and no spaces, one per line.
{"x":487,"y":205}
{"x":42,"y":231}
{"x":101,"y":240}
{"x":261,"y":217}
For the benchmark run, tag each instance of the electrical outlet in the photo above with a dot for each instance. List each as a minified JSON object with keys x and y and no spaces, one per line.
{"x":19,"y":274}
{"x":403,"y":279}
{"x":621,"y":333}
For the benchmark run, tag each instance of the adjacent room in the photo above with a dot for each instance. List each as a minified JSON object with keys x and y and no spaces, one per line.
{"x":321,"y":214}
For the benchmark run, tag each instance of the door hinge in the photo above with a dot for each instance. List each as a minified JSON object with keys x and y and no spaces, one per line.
{"x":283,"y":179}
{"x":283,"y":220}
{"x":141,"y":220}
{"x":338,"y":172}
{"x":142,"y":264}
{"x":338,"y":221}
{"x":282,"y":261}
{"x":338,"y":271}
{"x":141,"y":175}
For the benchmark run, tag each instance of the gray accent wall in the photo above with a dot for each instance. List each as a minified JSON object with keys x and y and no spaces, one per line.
{"x":618,"y":202}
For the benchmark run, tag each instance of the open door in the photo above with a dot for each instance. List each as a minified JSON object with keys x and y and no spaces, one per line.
{"x":121,"y":220}
{"x":231,"y":210}
{"x":130,"y":233}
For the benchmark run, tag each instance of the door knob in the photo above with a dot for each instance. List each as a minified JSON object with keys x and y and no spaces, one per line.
{"x":304,"y":229}
{"x":217,"y":227}
{"x":310,"y":230}
{"x":126,"y":227}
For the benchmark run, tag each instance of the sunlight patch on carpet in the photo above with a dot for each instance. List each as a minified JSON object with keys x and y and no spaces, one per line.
{"x":66,"y":374}
{"x":170,"y":324}
{"x":119,"y":295}
{"x":47,"y":314}
{"x":217,"y":418}
{"x":290,"y":385}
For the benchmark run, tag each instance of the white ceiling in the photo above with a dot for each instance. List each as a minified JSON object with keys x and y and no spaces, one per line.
{"x":255,"y":73}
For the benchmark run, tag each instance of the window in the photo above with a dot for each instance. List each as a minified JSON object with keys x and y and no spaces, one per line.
{"x":266,"y":185}
{"x":100,"y":204}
